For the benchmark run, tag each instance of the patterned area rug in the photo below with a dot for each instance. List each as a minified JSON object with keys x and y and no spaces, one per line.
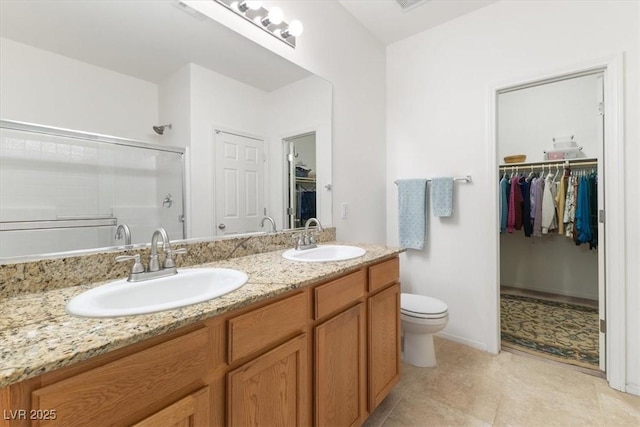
{"x":560,"y":331}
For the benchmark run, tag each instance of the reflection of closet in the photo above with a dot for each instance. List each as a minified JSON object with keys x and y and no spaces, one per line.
{"x":301,"y":170}
{"x":305,"y":199}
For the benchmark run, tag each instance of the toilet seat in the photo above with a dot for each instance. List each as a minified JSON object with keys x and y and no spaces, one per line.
{"x":422,"y":307}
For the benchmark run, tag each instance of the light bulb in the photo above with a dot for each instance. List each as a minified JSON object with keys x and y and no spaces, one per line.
{"x":295,"y":28}
{"x":276,"y":16}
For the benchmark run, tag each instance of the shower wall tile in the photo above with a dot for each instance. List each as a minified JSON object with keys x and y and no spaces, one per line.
{"x":46,"y":177}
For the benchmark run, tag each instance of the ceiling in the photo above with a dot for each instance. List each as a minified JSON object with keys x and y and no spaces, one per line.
{"x":148,"y":39}
{"x":152,"y":39}
{"x":389,"y":23}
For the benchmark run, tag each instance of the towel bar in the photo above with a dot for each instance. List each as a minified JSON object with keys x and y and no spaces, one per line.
{"x":460,"y":178}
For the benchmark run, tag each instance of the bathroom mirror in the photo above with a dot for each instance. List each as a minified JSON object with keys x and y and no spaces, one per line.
{"x":119,"y":68}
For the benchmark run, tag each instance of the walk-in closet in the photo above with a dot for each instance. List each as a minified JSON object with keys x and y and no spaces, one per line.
{"x":550,"y":144}
{"x":301,"y":172}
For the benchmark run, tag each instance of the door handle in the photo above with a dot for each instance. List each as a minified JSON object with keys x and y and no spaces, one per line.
{"x":222,"y":226}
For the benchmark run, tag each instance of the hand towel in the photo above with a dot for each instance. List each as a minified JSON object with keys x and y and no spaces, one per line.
{"x":412,"y":207}
{"x":442,"y":196}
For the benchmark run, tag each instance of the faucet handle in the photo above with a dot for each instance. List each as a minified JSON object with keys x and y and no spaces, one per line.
{"x":168,"y":260}
{"x":299,"y":238}
{"x":137,"y":263}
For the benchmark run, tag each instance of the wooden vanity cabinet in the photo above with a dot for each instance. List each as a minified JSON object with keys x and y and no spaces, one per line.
{"x":322,"y":355}
{"x":272,"y":388}
{"x":161,"y":378}
{"x":191,"y":411}
{"x":383,"y":329}
{"x":340,"y":351}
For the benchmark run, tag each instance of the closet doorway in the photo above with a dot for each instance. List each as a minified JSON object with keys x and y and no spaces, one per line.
{"x":301,"y":179}
{"x":551,"y":257}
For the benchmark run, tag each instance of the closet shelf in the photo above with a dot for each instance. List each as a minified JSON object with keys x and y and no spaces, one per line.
{"x":305,"y":180}
{"x":589,"y":161}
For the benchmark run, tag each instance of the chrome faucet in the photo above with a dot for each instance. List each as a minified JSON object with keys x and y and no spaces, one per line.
{"x":138,"y":272}
{"x":154,"y":265}
{"x":123,"y":228}
{"x":273,"y":223}
{"x":307,"y":240}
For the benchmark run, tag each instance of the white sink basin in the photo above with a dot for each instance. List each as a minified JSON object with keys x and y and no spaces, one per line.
{"x":122,"y":298}
{"x":325,"y":253}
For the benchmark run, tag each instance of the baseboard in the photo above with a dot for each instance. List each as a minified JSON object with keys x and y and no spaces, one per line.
{"x":633,"y":389}
{"x":455,"y":338}
{"x":551,"y":291}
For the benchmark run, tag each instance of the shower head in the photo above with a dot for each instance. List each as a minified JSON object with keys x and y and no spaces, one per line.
{"x":160,"y":129}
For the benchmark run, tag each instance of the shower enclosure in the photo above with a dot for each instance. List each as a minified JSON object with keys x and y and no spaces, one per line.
{"x":63,"y":190}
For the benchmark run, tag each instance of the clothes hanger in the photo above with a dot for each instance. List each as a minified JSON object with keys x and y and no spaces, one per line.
{"x":530,"y":174}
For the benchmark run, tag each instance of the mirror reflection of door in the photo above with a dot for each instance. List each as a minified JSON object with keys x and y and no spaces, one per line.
{"x":301,"y":178}
{"x":240,"y":199}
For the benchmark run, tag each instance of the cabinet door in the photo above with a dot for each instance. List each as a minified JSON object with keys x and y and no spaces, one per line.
{"x":192,"y":411}
{"x":340,"y":383}
{"x":384,"y":343}
{"x":271,"y":390}
{"x":115,"y":392}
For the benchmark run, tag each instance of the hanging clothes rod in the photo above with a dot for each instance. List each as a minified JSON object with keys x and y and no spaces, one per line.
{"x":549,"y":164}
{"x":459,"y":178}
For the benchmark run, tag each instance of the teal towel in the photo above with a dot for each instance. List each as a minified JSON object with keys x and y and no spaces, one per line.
{"x":412,"y":209}
{"x":442,"y":196}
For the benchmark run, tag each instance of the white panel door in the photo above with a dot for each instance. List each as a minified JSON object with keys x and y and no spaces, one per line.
{"x":239,"y":189}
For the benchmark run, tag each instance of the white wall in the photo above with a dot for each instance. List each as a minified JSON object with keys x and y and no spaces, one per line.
{"x":336,"y":47}
{"x":216,"y":102}
{"x":45,"y":88}
{"x":529,"y":118}
{"x":438,"y":89}
{"x":73,"y":94}
{"x":298,"y":108}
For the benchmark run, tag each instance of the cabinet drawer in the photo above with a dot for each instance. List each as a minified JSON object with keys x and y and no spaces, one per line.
{"x":258,"y":329}
{"x":120,"y":388}
{"x":339,"y":293}
{"x":383,"y":274}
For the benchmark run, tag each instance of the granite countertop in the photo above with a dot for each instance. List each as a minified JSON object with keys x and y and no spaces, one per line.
{"x":38,"y":336}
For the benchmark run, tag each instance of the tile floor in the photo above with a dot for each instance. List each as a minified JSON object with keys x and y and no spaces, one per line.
{"x":470,"y":387}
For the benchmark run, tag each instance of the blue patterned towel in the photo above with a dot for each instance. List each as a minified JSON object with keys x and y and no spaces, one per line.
{"x":442,"y":196}
{"x":412,"y":209}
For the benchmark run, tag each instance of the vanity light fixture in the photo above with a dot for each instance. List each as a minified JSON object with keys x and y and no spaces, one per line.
{"x":269,"y":20}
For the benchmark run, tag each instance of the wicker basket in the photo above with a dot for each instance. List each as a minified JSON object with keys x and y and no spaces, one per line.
{"x":516,"y":158}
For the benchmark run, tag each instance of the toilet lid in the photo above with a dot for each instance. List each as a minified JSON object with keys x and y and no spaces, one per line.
{"x":422,"y":306}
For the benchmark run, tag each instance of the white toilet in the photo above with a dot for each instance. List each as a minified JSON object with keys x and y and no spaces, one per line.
{"x":421,"y":317}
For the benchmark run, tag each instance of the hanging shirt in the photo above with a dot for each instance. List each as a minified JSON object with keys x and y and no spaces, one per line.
{"x":504,"y":204}
{"x":532,"y":199}
{"x":525,"y":187}
{"x":593,"y":185}
{"x":583,"y":212}
{"x":548,"y":206}
{"x":518,"y":202}
{"x":570,"y":206}
{"x":513,"y":205}
{"x":560,"y":200}
{"x":537,"y":220}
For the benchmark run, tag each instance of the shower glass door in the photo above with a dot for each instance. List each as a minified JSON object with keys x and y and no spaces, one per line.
{"x":65,"y":191}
